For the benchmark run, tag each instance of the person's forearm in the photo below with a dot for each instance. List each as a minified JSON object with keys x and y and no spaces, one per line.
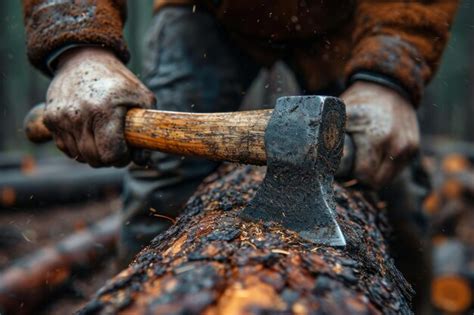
{"x":403,"y":40}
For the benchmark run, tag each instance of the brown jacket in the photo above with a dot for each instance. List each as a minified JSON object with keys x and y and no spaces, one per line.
{"x":323,"y":40}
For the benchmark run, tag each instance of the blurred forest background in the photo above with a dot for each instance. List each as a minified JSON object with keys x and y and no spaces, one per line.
{"x":448,"y":107}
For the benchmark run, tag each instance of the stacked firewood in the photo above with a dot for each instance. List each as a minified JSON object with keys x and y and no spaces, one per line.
{"x":451,"y":210}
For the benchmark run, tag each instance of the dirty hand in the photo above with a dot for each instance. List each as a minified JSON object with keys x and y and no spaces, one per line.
{"x":86,"y":105}
{"x":384,"y":128}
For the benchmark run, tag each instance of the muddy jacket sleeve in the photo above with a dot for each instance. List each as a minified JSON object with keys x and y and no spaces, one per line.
{"x":53,"y":25}
{"x":401,"y":40}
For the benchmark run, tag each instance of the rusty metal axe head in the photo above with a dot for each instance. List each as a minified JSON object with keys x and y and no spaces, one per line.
{"x":303,"y":142}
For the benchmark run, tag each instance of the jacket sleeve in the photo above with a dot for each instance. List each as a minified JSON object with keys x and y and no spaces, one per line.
{"x":401,"y":40}
{"x":52,"y":25}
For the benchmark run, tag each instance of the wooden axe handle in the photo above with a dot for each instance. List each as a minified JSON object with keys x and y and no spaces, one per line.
{"x":233,"y":136}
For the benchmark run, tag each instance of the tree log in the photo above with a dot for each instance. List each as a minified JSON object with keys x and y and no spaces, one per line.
{"x":212,"y":262}
{"x":53,"y":185}
{"x":31,"y":280}
{"x":450,"y":206}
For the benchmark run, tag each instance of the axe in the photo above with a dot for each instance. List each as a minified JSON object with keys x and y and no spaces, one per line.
{"x":301,"y":141}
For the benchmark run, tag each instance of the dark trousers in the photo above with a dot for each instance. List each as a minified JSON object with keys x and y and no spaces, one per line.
{"x":191,"y":66}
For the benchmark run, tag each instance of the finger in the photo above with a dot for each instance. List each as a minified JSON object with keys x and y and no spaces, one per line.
{"x":140,"y":157}
{"x":70,"y":143}
{"x":346,"y":165}
{"x":394,"y":162}
{"x":87,"y":147}
{"x":385,"y":173}
{"x":109,"y":139}
{"x":148,"y":99}
{"x":368,"y":160}
{"x":357,"y":119}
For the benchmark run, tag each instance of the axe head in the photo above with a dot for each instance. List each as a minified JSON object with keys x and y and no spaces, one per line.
{"x":303,"y":142}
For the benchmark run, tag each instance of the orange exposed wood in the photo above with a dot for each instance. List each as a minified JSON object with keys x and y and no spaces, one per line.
{"x":452,"y":188}
{"x":7,"y":196}
{"x":455,"y":163}
{"x":28,"y":165}
{"x":432,"y":203}
{"x":451,"y":293}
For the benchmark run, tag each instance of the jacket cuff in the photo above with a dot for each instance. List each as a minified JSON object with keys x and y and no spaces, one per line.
{"x":53,"y":28}
{"x":52,"y":59}
{"x":380,"y":79}
{"x":391,"y":57}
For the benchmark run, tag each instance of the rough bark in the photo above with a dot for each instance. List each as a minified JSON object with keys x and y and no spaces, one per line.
{"x":212,"y":262}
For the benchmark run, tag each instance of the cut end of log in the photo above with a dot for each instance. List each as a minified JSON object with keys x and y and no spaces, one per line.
{"x":455,"y":163}
{"x":452,"y":189}
{"x":7,"y":196}
{"x":28,"y":165}
{"x":451,"y":293}
{"x":432,"y":203}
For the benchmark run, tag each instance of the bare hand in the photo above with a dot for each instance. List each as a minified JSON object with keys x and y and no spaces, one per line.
{"x":86,"y":106}
{"x":384,"y":128}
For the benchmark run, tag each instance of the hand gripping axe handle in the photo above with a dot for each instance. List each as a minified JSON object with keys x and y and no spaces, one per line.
{"x":301,"y":141}
{"x":230,"y":136}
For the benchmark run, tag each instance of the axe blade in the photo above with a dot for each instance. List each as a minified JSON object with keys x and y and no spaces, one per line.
{"x":303,"y":142}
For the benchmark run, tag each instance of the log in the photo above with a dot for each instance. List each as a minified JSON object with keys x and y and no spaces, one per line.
{"x":60,"y":184}
{"x":31,"y":280}
{"x":16,"y":160}
{"x":451,"y":288}
{"x":450,"y":207}
{"x":212,"y":262}
{"x":440,"y":146}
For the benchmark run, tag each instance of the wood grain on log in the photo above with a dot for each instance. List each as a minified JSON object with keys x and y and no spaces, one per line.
{"x":212,"y":262}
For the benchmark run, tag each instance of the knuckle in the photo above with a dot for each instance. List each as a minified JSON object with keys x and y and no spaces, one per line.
{"x":404,"y":150}
{"x":52,"y":112}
